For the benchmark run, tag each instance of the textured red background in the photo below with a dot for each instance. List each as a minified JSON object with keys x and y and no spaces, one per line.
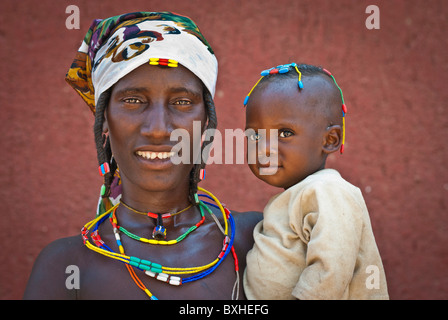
{"x":394,"y":83}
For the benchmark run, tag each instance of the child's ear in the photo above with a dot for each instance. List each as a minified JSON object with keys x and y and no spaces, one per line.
{"x":332,"y":139}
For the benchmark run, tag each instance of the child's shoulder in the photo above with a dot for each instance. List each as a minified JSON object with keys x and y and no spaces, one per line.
{"x":324,"y":177}
{"x":326,"y":181}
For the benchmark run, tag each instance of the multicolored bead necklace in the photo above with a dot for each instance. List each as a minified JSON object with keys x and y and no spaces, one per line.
{"x":114,"y":223}
{"x":159,"y":232}
{"x":166,"y":274}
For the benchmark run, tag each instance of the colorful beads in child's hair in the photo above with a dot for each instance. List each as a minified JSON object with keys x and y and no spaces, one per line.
{"x":281,"y":69}
{"x":327,"y":72}
{"x":104,"y":168}
{"x":344,"y":108}
{"x":284,"y":68}
{"x":269,"y":71}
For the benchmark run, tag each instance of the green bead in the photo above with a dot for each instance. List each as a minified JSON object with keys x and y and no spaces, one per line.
{"x":146,"y":262}
{"x":156,"y":265}
{"x":156,"y":270}
{"x":144,"y":267}
{"x":103,"y":190}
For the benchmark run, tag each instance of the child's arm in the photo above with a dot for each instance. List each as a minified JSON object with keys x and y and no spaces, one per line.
{"x":332,"y":225}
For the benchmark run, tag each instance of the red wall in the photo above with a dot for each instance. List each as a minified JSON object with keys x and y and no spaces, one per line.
{"x":394,"y":83}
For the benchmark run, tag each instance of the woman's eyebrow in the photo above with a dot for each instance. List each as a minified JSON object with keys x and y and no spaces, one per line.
{"x":131,"y":90}
{"x":134,"y":90}
{"x":185,"y":90}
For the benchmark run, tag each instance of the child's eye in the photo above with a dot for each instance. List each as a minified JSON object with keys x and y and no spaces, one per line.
{"x":285,"y":133}
{"x":254,"y":137}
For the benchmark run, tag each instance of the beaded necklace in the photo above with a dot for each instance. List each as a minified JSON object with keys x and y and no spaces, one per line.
{"x":160,"y":272}
{"x":159,"y":232}
{"x":163,"y":273}
{"x":155,"y":215}
{"x":114,"y":223}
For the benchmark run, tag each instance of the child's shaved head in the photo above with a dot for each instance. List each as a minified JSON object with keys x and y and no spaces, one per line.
{"x":326,"y":103}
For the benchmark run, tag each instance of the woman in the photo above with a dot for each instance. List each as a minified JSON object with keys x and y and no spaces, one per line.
{"x":144,"y":75}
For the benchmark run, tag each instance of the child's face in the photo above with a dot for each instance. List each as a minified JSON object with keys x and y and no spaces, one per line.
{"x":301,"y":129}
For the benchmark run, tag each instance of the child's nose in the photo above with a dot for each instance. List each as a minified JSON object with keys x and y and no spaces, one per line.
{"x":266,"y":147}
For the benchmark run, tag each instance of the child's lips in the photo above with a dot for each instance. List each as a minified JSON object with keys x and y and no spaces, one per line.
{"x":269,"y":164}
{"x":268,"y":170}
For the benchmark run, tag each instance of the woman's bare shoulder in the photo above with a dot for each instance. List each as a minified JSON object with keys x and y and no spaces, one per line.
{"x":244,"y":224}
{"x":52,"y":267}
{"x":247,"y":219}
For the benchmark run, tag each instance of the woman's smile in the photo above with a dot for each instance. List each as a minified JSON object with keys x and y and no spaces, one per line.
{"x":153,"y":155}
{"x":155,"y":160}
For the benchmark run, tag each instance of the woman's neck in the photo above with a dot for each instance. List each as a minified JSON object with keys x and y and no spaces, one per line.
{"x":161,"y":201}
{"x":137,"y":203}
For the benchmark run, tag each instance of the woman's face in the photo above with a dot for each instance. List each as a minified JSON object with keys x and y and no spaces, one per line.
{"x":145,"y":107}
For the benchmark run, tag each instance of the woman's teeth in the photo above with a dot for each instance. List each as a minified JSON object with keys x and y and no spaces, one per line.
{"x":153,"y":155}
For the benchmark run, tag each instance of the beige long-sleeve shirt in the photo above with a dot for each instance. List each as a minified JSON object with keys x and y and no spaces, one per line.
{"x":315,"y":242}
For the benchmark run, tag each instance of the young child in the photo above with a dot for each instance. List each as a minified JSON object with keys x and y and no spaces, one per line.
{"x":315,"y":240}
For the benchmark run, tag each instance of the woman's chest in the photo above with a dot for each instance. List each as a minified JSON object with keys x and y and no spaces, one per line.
{"x":199,"y":267}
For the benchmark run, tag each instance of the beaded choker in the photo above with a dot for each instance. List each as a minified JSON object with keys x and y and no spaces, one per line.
{"x":114,"y":222}
{"x":155,"y":215}
{"x":170,"y":275}
{"x":159,"y":232}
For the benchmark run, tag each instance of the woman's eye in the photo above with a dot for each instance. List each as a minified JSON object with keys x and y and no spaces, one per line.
{"x":182,"y":102}
{"x":132,"y":100}
{"x":285,"y":134}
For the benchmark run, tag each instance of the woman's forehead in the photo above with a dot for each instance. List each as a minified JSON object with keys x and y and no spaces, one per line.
{"x":148,"y":76}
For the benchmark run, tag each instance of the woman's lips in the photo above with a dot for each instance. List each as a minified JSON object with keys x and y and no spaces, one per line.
{"x":155,"y":160}
{"x":150,"y":155}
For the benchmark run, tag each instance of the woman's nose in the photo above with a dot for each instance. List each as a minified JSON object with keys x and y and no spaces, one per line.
{"x":156,"y":122}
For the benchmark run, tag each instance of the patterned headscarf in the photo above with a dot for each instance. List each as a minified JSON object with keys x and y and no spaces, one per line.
{"x":114,"y":47}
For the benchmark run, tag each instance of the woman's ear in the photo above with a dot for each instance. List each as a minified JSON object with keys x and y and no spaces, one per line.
{"x":105,"y":124}
{"x":204,"y":124}
{"x":332,"y":139}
